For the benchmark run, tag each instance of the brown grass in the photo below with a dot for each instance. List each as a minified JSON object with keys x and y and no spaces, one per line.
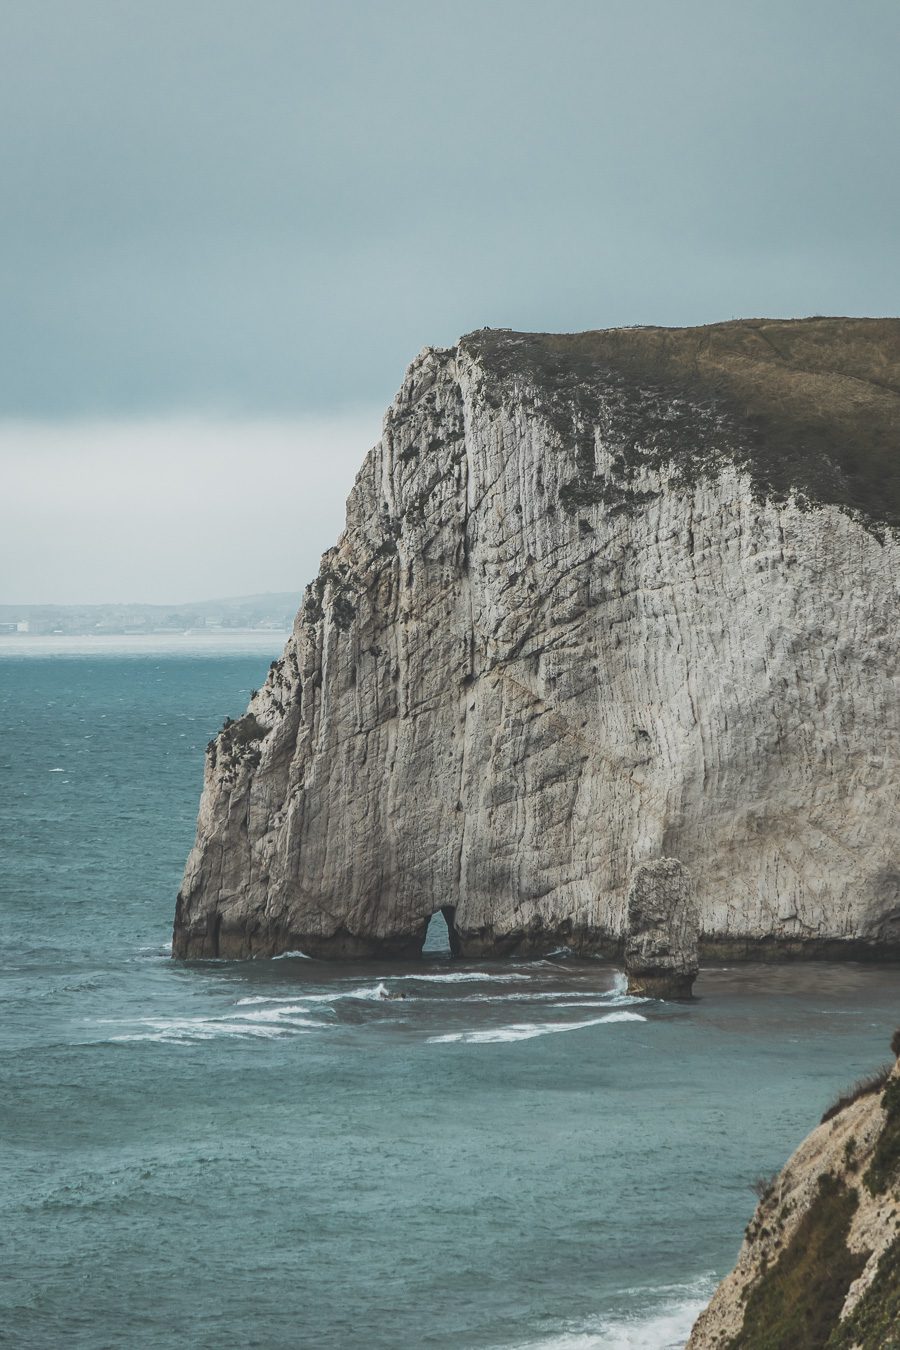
{"x":863,"y":1087}
{"x":813,"y":403}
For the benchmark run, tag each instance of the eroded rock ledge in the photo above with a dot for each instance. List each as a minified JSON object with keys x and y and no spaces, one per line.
{"x":600,"y":599}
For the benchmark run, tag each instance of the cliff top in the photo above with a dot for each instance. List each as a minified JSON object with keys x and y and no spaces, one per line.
{"x":815,"y":402}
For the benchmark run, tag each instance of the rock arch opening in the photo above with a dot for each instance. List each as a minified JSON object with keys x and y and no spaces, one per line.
{"x":440,"y":936}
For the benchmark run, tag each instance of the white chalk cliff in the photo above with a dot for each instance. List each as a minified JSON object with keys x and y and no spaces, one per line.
{"x":601,"y":599}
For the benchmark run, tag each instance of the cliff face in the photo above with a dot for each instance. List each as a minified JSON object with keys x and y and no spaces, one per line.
{"x":600,"y":599}
{"x":820,"y":1265}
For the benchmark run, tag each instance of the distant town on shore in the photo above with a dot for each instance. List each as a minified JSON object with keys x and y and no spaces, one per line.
{"x":271,"y":612}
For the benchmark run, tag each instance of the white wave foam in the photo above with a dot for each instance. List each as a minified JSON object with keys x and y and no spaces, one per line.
{"x":364,"y":992}
{"x":590,"y":998}
{"x":265,"y":1023}
{"x":665,"y":1327}
{"x":292,"y":956}
{"x":528,"y":996}
{"x":461,"y":977}
{"x":526,"y":1031}
{"x":559,"y":998}
{"x":614,"y":1000}
{"x":196,"y":1029}
{"x":300,"y":998}
{"x":286,"y":1015}
{"x":368,"y":992}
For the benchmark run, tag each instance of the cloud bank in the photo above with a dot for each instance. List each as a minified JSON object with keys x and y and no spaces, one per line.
{"x":172,"y":509}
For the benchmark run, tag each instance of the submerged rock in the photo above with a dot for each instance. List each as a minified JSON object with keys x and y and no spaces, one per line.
{"x":661,"y":949}
{"x":600,"y":598}
{"x":819,"y":1268}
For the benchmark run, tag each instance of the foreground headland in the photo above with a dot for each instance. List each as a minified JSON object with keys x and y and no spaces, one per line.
{"x":819,"y":1268}
{"x":601,"y":599}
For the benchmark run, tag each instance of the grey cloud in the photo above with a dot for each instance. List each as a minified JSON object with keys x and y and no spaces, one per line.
{"x":268,"y":207}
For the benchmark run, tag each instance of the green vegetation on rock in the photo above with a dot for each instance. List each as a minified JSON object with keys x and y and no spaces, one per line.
{"x":795,"y":1304}
{"x":874,"y":1323}
{"x":244,"y":731}
{"x":885,"y":1164}
{"x":810,"y":406}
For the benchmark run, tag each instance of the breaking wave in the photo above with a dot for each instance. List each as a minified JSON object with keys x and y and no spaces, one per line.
{"x":465,"y":977}
{"x":665,"y":1327}
{"x":264,"y":1024}
{"x":526,"y":1031}
{"x":294,"y":1011}
{"x":613,"y":1001}
{"x":381,"y":990}
{"x":559,"y":998}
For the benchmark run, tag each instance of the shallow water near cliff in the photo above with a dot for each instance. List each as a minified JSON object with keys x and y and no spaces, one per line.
{"x":285,"y":1153}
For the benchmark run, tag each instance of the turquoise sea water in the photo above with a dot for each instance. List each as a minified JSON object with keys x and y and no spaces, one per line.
{"x":271,"y":1154}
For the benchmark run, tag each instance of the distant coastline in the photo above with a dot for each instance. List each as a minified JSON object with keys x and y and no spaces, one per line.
{"x":272,"y":612}
{"x":234,"y":642}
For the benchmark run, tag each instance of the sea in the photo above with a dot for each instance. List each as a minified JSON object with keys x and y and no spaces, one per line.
{"x":515,"y":1155}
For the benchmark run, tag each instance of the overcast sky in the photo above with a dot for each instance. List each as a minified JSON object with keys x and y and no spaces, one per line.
{"x":227,"y":225}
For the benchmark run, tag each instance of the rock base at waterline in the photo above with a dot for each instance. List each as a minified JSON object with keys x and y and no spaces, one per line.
{"x":661,"y":949}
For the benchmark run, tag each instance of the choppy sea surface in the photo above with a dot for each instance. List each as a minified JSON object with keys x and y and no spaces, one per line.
{"x":275,"y":1154}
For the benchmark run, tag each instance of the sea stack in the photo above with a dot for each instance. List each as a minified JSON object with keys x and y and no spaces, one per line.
{"x":601,"y":597}
{"x":661,"y":951}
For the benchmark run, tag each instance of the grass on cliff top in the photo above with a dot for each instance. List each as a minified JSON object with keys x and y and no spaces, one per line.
{"x":817,"y":400}
{"x":795,"y":1304}
{"x":863,"y":1087}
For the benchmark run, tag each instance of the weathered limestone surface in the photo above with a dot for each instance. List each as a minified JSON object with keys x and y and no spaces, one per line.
{"x":820,"y":1261}
{"x":663,"y":929}
{"x":600,"y":599}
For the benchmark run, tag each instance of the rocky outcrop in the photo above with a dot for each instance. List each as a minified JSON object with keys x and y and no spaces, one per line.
{"x":661,"y":948}
{"x":600,"y":599}
{"x":820,"y":1265}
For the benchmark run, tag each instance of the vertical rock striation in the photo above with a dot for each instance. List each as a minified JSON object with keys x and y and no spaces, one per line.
{"x":600,"y":599}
